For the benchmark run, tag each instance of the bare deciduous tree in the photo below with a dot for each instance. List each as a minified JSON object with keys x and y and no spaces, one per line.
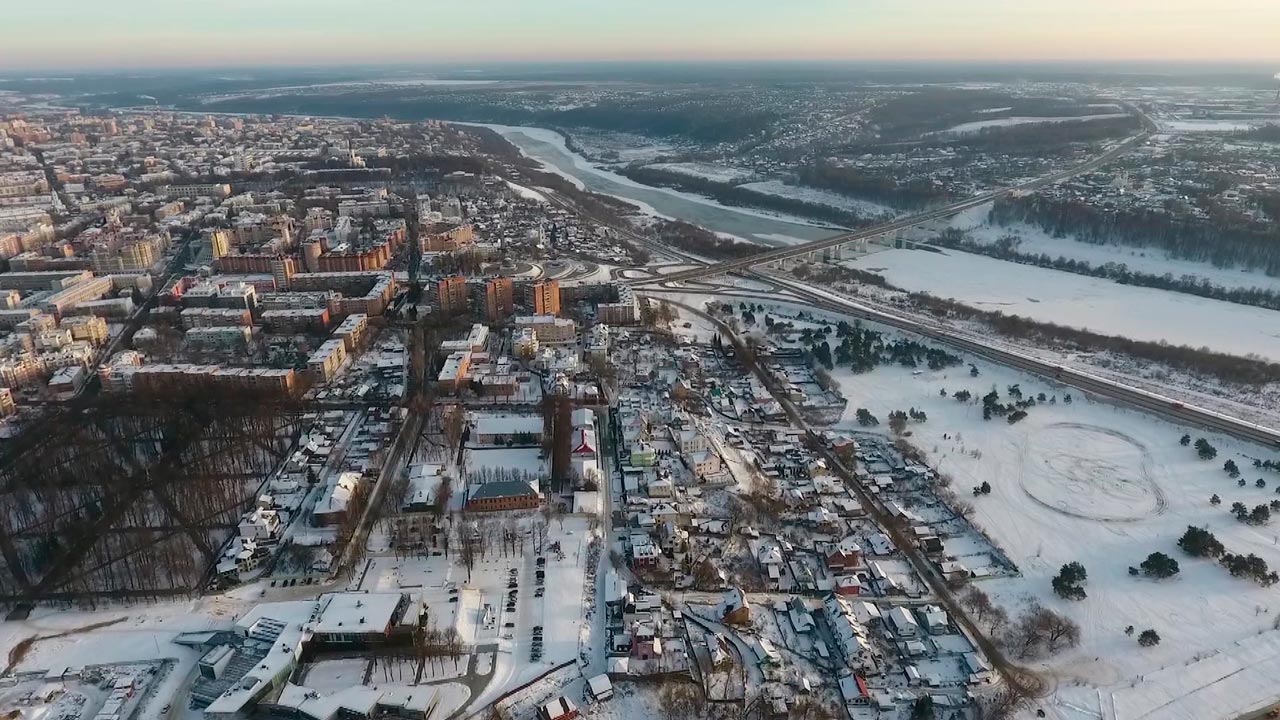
{"x":1001,"y":704}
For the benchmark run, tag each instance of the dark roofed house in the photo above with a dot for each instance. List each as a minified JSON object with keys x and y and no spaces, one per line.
{"x":504,"y":495}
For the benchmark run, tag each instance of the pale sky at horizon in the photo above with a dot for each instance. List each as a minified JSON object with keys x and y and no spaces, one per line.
{"x":109,"y":34}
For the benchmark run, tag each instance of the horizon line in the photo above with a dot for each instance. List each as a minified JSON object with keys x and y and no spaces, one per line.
{"x":507,"y":63}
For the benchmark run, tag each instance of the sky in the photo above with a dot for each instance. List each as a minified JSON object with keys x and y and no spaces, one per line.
{"x":116,"y":34}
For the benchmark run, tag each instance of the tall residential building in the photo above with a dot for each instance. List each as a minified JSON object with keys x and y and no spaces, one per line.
{"x":7,"y":405}
{"x":311,"y":252}
{"x":451,"y":295}
{"x":130,"y":257}
{"x":283,"y":268}
{"x":219,"y":243}
{"x":546,"y":298}
{"x":499,"y":299}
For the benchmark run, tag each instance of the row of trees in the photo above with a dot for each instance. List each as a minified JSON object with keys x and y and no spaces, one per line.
{"x":738,"y":196}
{"x":864,"y":350}
{"x":898,"y":419}
{"x":1231,"y":369}
{"x":1198,"y":542}
{"x":1006,"y":248}
{"x":431,"y":648}
{"x":884,"y":187}
{"x":1203,"y":228}
{"x":1259,"y":515}
{"x":700,"y":241}
{"x":478,"y":536}
{"x":1012,"y":412}
{"x":1038,"y":630}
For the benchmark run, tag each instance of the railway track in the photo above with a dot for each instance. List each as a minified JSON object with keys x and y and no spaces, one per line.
{"x":1156,"y":404}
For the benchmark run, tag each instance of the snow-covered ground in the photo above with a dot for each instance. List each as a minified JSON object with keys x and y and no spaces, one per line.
{"x":1084,"y":302}
{"x":527,"y":193}
{"x":1208,"y":126}
{"x":505,"y":642}
{"x":1106,"y":486}
{"x":1148,"y":260}
{"x":706,"y":171}
{"x":819,"y":196}
{"x":143,"y":632}
{"x":526,"y":459}
{"x":977,"y":125}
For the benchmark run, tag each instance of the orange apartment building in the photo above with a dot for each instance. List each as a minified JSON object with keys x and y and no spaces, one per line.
{"x":451,"y":295}
{"x":499,"y":299}
{"x":546,"y":298}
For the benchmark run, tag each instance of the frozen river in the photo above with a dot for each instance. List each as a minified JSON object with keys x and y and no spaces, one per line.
{"x":548,"y":147}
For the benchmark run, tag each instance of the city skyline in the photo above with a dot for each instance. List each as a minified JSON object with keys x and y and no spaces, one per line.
{"x":148,"y":34}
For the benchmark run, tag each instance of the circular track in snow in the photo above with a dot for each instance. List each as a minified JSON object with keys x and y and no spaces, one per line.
{"x":1090,"y":472}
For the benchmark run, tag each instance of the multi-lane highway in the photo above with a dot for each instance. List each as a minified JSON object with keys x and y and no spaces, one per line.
{"x":1170,"y":408}
{"x":793,"y":251}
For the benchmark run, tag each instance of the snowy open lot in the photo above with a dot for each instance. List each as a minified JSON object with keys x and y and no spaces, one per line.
{"x":1106,"y":486}
{"x":124,"y":635}
{"x":1083,"y":302}
{"x":502,"y":638}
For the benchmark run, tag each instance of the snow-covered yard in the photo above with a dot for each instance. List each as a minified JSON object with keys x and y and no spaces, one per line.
{"x":526,"y":459}
{"x":526,"y":193}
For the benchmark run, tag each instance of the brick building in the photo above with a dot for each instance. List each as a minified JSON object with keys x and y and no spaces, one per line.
{"x":505,"y":495}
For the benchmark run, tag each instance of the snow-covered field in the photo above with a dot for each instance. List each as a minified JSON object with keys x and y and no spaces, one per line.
{"x":1083,"y":302}
{"x":527,"y":193}
{"x":1147,"y":260}
{"x":818,"y":196}
{"x":1106,"y":486}
{"x":706,"y":171}
{"x":977,"y":125}
{"x":1208,"y":126}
